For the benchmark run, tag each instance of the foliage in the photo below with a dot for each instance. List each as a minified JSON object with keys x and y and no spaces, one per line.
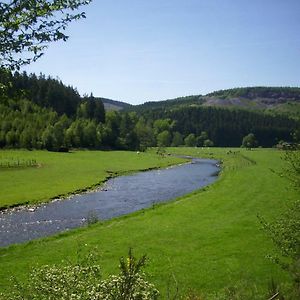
{"x":177,"y":139}
{"x":285,"y":234}
{"x":249,"y":141}
{"x":131,"y":283}
{"x":27,"y":101}
{"x":144,"y":134}
{"x":43,"y":91}
{"x":164,"y":139}
{"x":225,"y":127}
{"x":190,"y":140}
{"x":168,"y":104}
{"x":83,"y":281}
{"x":285,"y":229}
{"x":208,"y":143}
{"x":28,"y":26}
{"x":260,"y":92}
{"x":292,"y":168}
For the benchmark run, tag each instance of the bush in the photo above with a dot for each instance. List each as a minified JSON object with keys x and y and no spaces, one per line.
{"x":82,"y":281}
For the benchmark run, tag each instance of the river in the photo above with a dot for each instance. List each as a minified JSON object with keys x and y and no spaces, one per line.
{"x":118,"y":196}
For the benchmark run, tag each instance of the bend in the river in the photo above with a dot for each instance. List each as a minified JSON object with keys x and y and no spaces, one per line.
{"x":118,"y":196}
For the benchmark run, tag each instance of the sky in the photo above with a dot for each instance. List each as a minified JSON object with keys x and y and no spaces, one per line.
{"x":146,"y":50}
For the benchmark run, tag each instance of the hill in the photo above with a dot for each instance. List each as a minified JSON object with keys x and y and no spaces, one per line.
{"x":280,"y":93}
{"x":42,"y":113}
{"x":169,"y":103}
{"x":279,"y":100}
{"x":274,"y":100}
{"x":114,"y":104}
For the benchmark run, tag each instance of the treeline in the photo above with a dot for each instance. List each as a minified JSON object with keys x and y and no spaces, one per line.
{"x":45,"y":92}
{"x":168,"y":104}
{"x":27,"y":125}
{"x":279,"y":95}
{"x":286,"y":93}
{"x":227,"y":127}
{"x":43,"y":113}
{"x":50,"y":93}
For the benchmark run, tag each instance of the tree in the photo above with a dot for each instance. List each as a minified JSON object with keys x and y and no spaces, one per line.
{"x":201,"y":138}
{"x":190,"y":140}
{"x":144,"y":134}
{"x":177,"y":139}
{"x":161,"y":125}
{"x":249,"y":141}
{"x":208,"y":143}
{"x":28,"y":26}
{"x":164,"y":139}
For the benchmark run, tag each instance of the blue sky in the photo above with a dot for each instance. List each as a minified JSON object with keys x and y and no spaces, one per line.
{"x":141,"y":50}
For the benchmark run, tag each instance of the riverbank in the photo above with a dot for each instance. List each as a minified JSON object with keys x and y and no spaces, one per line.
{"x":118,"y":196}
{"x":59,"y":175}
{"x":207,"y":240}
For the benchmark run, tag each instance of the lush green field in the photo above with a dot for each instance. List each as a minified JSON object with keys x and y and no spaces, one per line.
{"x":207,"y":240}
{"x":58,"y":174}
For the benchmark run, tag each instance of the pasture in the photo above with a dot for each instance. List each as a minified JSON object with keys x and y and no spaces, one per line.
{"x":204,"y":241}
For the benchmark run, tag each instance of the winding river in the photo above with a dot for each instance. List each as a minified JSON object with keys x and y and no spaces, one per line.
{"x":118,"y":196}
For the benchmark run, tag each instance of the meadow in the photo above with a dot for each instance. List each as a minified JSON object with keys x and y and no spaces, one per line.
{"x":204,"y":241}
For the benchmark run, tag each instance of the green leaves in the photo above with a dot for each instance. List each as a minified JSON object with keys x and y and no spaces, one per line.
{"x":28,"y":26}
{"x":83,"y":281}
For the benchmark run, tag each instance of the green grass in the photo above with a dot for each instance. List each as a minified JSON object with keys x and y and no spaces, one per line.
{"x":58,"y":174}
{"x":208,"y":240}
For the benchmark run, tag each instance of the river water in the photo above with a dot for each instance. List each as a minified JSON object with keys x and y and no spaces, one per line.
{"x":118,"y":196}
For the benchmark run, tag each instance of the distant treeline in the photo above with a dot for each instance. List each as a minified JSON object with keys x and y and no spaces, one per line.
{"x":45,"y":92}
{"x":287,"y":93}
{"x":227,"y":127}
{"x":279,"y":95}
{"x":167,"y":104}
{"x":43,"y":113}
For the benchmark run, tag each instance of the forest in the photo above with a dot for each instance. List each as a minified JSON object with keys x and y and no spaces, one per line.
{"x":39,"y":112}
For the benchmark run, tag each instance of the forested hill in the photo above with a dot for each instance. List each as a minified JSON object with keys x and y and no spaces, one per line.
{"x":41,"y":90}
{"x":42,"y":113}
{"x":274,"y":100}
{"x":170,"y":103}
{"x":279,"y":93}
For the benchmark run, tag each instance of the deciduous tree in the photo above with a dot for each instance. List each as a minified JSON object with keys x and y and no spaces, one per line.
{"x":28,"y":26}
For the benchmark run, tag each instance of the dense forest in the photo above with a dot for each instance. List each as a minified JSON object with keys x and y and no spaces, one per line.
{"x":227,"y":127}
{"x":42,"y":113}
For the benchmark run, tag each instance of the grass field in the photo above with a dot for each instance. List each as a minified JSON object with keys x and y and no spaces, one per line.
{"x":58,"y":174}
{"x":207,"y":240}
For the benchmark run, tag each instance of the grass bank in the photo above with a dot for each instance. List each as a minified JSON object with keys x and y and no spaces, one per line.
{"x":207,"y":240}
{"x":59,"y":174}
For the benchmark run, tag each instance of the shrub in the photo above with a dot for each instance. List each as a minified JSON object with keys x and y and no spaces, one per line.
{"x":82,"y":281}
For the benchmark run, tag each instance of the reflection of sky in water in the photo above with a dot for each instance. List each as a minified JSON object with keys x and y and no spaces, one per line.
{"x":118,"y":196}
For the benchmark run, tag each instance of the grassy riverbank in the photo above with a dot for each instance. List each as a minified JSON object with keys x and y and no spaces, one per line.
{"x":30,"y":177}
{"x":207,"y":240}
